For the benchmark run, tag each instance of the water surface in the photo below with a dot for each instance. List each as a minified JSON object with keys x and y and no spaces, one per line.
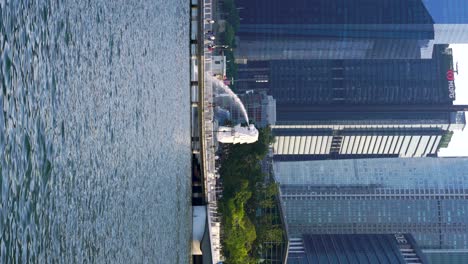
{"x":94,"y":131}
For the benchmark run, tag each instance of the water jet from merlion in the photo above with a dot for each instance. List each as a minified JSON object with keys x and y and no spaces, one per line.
{"x":237,"y":134}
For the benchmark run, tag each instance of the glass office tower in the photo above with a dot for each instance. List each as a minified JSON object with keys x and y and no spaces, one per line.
{"x":332,"y":109}
{"x":426,"y":197}
{"x":332,"y":29}
{"x":355,"y":78}
{"x":340,"y":82}
{"x":353,"y":29}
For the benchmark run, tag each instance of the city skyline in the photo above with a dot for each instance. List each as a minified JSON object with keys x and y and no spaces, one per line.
{"x":295,"y":58}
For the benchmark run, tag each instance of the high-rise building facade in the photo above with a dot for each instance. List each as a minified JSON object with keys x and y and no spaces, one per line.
{"x":370,"y":135}
{"x":426,"y":197}
{"x":332,"y":29}
{"x":357,"y":78}
{"x":332,"y":109}
{"x":354,"y":29}
{"x":339,"y":82}
{"x":355,"y":249}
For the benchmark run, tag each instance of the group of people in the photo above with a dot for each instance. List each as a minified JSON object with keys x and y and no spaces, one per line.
{"x":210,"y":36}
{"x":210,"y":39}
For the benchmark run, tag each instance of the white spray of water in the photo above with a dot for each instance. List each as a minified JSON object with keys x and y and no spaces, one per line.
{"x":220,"y":84}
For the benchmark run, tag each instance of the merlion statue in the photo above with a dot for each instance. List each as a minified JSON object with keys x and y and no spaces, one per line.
{"x":237,"y":134}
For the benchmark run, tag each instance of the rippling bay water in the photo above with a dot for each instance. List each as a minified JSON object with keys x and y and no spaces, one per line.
{"x":94,"y":131}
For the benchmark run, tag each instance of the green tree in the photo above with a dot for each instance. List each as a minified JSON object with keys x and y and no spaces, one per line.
{"x":244,"y":193}
{"x":239,"y":231}
{"x":232,"y":14}
{"x":274,"y":234}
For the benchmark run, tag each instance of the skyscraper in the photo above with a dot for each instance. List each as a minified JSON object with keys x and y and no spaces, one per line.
{"x":331,"y":109}
{"x":354,"y":29}
{"x":352,"y":82}
{"x":357,"y":78}
{"x":426,"y":197}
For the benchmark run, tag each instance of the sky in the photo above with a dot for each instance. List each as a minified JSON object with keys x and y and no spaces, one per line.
{"x":459,"y":144}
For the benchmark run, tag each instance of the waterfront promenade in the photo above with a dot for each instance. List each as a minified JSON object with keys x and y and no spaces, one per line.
{"x":203,"y":124}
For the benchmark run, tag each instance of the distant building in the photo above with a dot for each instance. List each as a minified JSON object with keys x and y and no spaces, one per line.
{"x":426,"y":197}
{"x":261,"y":108}
{"x":355,"y":248}
{"x":218,"y":66}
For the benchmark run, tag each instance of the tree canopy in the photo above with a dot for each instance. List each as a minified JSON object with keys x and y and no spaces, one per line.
{"x":244,"y":195}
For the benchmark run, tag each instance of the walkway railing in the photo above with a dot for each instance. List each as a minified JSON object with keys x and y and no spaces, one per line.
{"x":204,"y":103}
{"x":210,"y":143}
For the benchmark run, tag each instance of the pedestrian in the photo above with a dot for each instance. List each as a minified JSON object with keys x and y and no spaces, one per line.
{"x":210,"y":47}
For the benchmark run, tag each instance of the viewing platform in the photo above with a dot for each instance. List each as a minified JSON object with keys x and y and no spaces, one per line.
{"x":206,"y":241}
